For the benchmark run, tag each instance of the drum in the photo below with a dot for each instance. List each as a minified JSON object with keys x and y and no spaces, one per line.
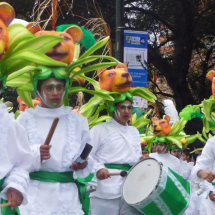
{"x":154,"y":189}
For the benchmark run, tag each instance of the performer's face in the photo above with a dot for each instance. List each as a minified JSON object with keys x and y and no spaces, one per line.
{"x":52,"y":92}
{"x":161,"y":148}
{"x":176,"y":153}
{"x":123,"y":112}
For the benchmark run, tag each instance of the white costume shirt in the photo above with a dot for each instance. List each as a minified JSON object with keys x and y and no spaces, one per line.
{"x":68,"y":141}
{"x":186,"y":168}
{"x":109,"y":146}
{"x":168,"y":160}
{"x":206,"y":162}
{"x":15,"y":154}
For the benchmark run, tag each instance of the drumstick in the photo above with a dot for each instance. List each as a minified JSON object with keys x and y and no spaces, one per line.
{"x":122,"y":173}
{"x":5,"y":205}
{"x":51,"y":131}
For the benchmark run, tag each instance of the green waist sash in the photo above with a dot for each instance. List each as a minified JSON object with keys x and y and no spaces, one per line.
{"x":124,"y":167}
{"x":61,"y":177}
{"x":7,"y":210}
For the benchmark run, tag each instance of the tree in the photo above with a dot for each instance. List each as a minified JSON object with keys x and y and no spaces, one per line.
{"x":184,"y":23}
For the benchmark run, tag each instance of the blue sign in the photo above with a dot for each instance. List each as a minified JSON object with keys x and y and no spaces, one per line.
{"x":139,"y":77}
{"x":135,"y":40}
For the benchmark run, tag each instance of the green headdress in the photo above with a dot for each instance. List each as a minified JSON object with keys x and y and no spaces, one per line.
{"x":88,"y":39}
{"x":46,"y":72}
{"x":176,"y":136}
{"x":3,"y":80}
{"x":163,"y":140}
{"x":123,"y":96}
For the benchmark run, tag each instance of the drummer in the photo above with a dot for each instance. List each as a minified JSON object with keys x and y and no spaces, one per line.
{"x":163,"y":155}
{"x":116,"y":147}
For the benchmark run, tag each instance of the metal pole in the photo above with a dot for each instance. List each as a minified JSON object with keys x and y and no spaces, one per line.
{"x":119,"y":30}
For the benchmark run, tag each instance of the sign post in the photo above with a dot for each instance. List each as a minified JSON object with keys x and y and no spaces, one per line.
{"x":135,"y":54}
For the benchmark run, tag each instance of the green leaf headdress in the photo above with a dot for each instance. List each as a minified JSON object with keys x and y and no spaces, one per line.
{"x":176,"y":136}
{"x":123,"y":96}
{"x":26,"y":51}
{"x":46,"y":72}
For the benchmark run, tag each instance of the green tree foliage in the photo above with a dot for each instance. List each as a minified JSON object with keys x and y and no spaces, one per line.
{"x":185,"y":25}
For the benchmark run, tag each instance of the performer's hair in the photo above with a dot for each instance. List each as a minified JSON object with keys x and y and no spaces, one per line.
{"x":40,"y":82}
{"x":187,"y":152}
{"x":193,"y":125}
{"x":199,"y":144}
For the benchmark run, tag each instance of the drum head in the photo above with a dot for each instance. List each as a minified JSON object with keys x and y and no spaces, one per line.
{"x":141,"y":181}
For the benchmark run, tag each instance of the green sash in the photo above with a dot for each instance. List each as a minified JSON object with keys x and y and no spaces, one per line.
{"x":61,"y":177}
{"x":7,"y":210}
{"x":124,"y":167}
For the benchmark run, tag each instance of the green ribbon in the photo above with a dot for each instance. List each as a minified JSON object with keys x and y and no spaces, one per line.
{"x":124,"y":167}
{"x":61,"y":177}
{"x":7,"y":210}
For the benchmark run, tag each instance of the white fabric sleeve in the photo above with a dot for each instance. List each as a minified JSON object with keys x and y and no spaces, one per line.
{"x":96,"y":136}
{"x":19,"y":153}
{"x":169,"y":108}
{"x":82,"y":173}
{"x":205,"y":161}
{"x":36,"y":163}
{"x":35,"y":149}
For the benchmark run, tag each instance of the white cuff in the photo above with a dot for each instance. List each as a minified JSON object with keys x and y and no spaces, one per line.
{"x":36,"y":164}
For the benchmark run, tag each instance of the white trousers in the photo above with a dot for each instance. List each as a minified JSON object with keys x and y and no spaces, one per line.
{"x":117,"y":206}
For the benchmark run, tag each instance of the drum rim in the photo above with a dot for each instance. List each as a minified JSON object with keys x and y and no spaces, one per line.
{"x":158,"y":182}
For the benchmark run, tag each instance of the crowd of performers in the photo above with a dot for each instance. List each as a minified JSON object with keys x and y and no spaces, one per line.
{"x":45,"y":172}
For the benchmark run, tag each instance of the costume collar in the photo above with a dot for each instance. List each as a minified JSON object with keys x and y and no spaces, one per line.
{"x":123,"y":128}
{"x":164,"y":154}
{"x":51,"y":112}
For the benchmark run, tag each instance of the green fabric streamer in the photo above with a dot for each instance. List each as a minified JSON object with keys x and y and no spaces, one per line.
{"x":124,"y":167}
{"x":187,"y":111}
{"x":160,"y":140}
{"x":62,"y":177}
{"x":88,"y":39}
{"x":46,"y":72}
{"x":7,"y":210}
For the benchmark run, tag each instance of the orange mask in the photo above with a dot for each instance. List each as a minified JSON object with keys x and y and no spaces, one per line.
{"x":63,"y":51}
{"x":7,"y":14}
{"x":115,"y":80}
{"x":211,"y":77}
{"x":23,"y":106}
{"x":161,"y":127}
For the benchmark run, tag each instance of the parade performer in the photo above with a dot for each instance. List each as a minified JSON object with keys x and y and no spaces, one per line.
{"x":163,"y":155}
{"x":53,"y":188}
{"x":15,"y":153}
{"x":116,"y":146}
{"x":16,"y":160}
{"x":204,"y":168}
{"x":52,"y":83}
{"x":165,"y":138}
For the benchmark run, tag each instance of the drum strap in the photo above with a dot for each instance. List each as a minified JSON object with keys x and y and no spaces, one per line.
{"x":124,"y":167}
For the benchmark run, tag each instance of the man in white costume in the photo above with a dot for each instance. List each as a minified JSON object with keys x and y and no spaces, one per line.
{"x":116,"y":146}
{"x":53,"y":190}
{"x":16,"y":159}
{"x":164,"y":156}
{"x":204,"y":170}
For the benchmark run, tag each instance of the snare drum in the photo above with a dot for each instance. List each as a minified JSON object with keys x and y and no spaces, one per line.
{"x":154,"y":189}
